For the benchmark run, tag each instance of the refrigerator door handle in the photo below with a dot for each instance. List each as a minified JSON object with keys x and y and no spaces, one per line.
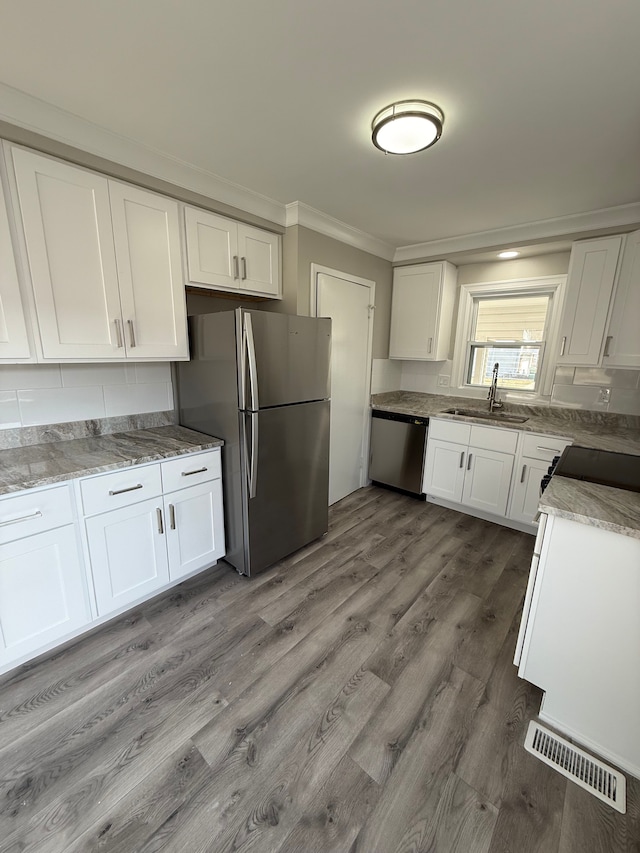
{"x":252,"y":454}
{"x":251,"y":354}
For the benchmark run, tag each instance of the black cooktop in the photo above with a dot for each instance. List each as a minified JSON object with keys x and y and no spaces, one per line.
{"x":620,"y":470}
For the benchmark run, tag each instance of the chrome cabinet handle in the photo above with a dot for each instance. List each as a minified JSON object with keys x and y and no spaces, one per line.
{"x":563,"y":345}
{"x":119,"y":333}
{"x":430,"y":344}
{"x":172,"y":517}
{"x":555,"y":450}
{"x":197,"y":471}
{"x":524,"y":470}
{"x":469,"y":461}
{"x":244,"y":269}
{"x":607,"y":346}
{"x":131,"y":333}
{"x":128,"y":489}
{"x":32,"y":515}
{"x":236,"y":269}
{"x":160,"y":524}
{"x":462,"y":459}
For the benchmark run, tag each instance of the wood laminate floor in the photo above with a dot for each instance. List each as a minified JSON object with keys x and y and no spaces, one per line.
{"x":359,"y":697}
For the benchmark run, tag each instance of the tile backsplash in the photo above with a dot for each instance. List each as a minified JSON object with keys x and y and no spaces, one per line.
{"x":36,"y":394}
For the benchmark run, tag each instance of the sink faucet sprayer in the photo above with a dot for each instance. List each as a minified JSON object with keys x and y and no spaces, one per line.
{"x":492,"y":396}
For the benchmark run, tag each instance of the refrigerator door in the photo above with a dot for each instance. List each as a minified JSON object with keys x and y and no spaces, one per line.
{"x":283,"y":359}
{"x":286,"y":469}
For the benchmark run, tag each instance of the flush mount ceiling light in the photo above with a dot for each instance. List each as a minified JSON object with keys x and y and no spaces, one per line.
{"x":406,"y":127}
{"x":510,"y":253}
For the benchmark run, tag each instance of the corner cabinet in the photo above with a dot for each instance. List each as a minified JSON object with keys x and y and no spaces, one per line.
{"x":590,"y":283}
{"x":422,"y":311}
{"x":105,"y":263}
{"x":14,"y":340}
{"x":231,"y":256}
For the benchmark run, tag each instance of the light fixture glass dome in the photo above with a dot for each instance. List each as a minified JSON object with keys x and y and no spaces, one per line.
{"x":407,"y":126}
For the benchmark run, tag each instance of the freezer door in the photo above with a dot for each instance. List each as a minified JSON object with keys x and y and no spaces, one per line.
{"x":286,"y":454}
{"x":283,"y":359}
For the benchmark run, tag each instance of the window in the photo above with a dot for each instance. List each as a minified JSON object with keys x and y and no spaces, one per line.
{"x":511,"y":324}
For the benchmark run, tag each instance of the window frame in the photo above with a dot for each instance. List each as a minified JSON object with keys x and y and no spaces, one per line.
{"x":552,"y":285}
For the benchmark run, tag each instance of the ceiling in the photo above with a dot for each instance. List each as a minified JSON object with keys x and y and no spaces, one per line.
{"x":540,"y":99}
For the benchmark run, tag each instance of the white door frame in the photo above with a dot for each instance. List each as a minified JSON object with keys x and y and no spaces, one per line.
{"x":317,"y":269}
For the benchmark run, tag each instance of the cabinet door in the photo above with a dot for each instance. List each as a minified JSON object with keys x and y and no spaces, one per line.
{"x":42,"y":592}
{"x":414,"y":311}
{"x":195,"y":528}
{"x":487,"y":480}
{"x":69,"y":239}
{"x":14,"y":343}
{"x":526,"y":490}
{"x":212,"y":249}
{"x":622,"y":347}
{"x":444,"y":469}
{"x":259,"y":261}
{"x":146,"y":230}
{"x":128,"y":554}
{"x":590,"y":280}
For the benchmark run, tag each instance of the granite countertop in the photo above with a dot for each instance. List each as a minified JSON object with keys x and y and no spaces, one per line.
{"x":589,"y":503}
{"x":43,"y":464}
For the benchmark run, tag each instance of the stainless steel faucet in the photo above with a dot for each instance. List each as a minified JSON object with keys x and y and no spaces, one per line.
{"x":492,"y":396}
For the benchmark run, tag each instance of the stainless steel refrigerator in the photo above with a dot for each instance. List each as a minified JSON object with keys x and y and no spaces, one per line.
{"x":260,"y":381}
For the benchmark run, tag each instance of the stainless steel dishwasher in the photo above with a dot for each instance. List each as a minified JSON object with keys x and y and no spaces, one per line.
{"x":397,"y":449}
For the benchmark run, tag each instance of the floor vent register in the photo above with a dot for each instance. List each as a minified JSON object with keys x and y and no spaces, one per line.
{"x":590,"y":773}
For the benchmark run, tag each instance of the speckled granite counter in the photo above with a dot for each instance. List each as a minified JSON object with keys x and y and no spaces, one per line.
{"x":42,"y":464}
{"x":588,"y":503}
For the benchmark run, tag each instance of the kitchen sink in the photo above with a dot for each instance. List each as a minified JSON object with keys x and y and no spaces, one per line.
{"x":501,"y":417}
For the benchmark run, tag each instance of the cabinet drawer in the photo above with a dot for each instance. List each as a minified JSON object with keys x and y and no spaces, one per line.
{"x":34,"y":511}
{"x":490,"y":438}
{"x":449,"y":431}
{"x":543,"y":447}
{"x":190,"y":469}
{"x":120,"y":488}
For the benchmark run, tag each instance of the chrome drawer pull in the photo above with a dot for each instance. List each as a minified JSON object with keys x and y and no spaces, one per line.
{"x":197,"y":471}
{"x":550,"y":449}
{"x":32,"y":515}
{"x":128,"y":489}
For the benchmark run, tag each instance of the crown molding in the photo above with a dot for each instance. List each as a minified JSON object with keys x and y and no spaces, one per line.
{"x":37,"y":116}
{"x":574,"y":225}
{"x":298,"y":213}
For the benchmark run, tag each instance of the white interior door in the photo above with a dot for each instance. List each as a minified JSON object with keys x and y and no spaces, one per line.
{"x":347,"y":301}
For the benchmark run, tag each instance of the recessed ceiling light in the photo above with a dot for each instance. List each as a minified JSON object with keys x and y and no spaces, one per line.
{"x":509,"y":254}
{"x":407,"y":127}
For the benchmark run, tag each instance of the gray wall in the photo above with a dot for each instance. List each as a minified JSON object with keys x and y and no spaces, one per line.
{"x":318,"y":249}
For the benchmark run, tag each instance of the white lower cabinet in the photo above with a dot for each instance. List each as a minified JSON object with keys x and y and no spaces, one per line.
{"x":580,"y":635}
{"x":43,"y":589}
{"x":128,"y":554}
{"x":536,"y":454}
{"x":156,"y":533}
{"x":469,"y":464}
{"x":195,"y":529}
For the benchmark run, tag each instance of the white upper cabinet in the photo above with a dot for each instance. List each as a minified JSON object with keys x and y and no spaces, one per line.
{"x":622,"y":344}
{"x":146,"y":229}
{"x":590,"y":282}
{"x":14,"y":342}
{"x":422,"y":311}
{"x":105,"y":264}
{"x":227,"y":255}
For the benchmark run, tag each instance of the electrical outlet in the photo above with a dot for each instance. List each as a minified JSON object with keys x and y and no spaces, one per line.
{"x":605,"y":395}
{"x":443,"y":380}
